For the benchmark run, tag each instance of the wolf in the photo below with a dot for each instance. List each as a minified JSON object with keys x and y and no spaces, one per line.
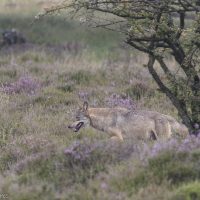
{"x":120,"y":123}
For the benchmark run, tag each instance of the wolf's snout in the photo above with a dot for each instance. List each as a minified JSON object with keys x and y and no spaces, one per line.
{"x":70,"y":126}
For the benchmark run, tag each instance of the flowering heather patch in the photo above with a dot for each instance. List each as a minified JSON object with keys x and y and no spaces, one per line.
{"x":23,"y":84}
{"x":121,"y":101}
{"x":80,"y":151}
{"x":87,"y":153}
{"x":188,"y":144}
{"x":89,"y":157}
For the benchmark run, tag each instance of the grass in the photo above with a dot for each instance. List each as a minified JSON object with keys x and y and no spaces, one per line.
{"x":42,"y":84}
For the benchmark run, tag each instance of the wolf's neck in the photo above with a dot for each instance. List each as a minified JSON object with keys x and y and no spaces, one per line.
{"x":101,"y":122}
{"x":102,"y":118}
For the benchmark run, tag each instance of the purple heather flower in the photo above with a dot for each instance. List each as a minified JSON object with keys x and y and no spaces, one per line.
{"x":86,"y":152}
{"x":188,"y":144}
{"x":104,"y":185}
{"x":163,"y":146}
{"x":23,"y":84}
{"x":121,"y":101}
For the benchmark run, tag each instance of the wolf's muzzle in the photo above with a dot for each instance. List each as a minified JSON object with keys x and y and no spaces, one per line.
{"x":77,"y":127}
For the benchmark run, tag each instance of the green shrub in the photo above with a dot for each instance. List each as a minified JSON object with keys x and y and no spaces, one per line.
{"x":190,"y":191}
{"x":85,"y":160}
{"x":196,"y":155}
{"x":66,"y":88}
{"x":153,"y":192}
{"x":174,"y":167}
{"x":36,"y":70}
{"x":7,"y":75}
{"x":6,"y":160}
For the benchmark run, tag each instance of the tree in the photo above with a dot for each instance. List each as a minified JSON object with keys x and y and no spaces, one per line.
{"x":159,"y":28}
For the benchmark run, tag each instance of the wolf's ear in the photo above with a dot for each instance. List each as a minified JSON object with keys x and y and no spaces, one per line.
{"x":85,"y":106}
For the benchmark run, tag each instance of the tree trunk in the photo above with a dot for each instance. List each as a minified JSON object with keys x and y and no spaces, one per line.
{"x":180,"y":106}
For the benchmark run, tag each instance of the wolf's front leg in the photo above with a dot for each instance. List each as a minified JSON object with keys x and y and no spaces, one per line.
{"x":116,"y":134}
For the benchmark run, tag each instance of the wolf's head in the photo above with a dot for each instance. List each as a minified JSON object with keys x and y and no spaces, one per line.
{"x":82,"y":118}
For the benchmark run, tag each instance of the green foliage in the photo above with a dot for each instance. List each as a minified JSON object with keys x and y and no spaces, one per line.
{"x":66,"y":88}
{"x":81,"y":77}
{"x":168,"y":167}
{"x":189,"y":191}
{"x":174,"y":167}
{"x":36,"y":70}
{"x":196,"y":155}
{"x":6,"y":160}
{"x":85,"y":160}
{"x":7,"y":75}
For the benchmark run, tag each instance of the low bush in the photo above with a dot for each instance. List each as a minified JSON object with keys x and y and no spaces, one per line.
{"x":86,"y":159}
{"x":189,"y":191}
{"x":138,"y":90}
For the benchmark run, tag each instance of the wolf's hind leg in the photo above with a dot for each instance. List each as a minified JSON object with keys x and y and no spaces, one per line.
{"x":153,"y":136}
{"x":116,"y":134}
{"x":163,"y":128}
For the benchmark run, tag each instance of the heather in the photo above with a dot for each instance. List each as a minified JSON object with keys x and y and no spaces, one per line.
{"x":42,"y":84}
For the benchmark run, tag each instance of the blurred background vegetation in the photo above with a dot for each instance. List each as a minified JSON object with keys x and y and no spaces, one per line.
{"x":57,"y":29}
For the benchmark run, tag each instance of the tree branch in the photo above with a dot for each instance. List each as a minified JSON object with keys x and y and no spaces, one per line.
{"x":177,"y":103}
